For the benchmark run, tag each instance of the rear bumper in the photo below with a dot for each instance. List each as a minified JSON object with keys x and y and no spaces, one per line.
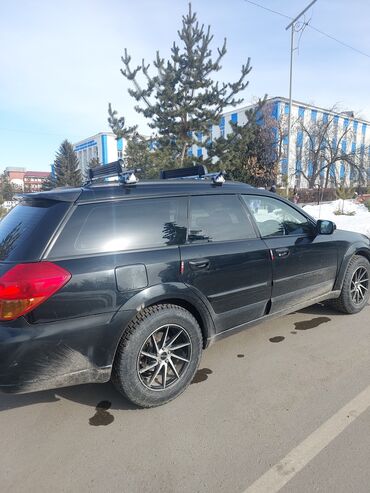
{"x":58,"y":354}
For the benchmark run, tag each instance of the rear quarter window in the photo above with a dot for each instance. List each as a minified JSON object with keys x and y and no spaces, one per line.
{"x":121,"y":226}
{"x":26,"y":230}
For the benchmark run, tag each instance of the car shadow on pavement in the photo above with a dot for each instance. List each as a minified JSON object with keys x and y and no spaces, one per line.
{"x":88,"y":395}
{"x":318,"y":309}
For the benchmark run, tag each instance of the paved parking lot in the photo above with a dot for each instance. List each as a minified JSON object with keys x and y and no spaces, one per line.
{"x":264,"y":413}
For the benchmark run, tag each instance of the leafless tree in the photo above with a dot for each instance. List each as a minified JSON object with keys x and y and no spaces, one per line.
{"x":324,"y":143}
{"x":276,"y":130}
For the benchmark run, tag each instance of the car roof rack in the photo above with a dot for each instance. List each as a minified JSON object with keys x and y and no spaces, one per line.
{"x":198,"y":172}
{"x":111,"y":170}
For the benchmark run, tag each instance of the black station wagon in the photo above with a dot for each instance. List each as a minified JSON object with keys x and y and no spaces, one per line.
{"x":130,"y":281}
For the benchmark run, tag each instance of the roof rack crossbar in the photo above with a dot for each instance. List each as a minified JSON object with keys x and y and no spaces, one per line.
{"x":189,"y":172}
{"x":116,"y":168}
{"x":198,"y":172}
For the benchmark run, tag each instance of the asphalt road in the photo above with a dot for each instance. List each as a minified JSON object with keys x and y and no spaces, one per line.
{"x":261,"y":416}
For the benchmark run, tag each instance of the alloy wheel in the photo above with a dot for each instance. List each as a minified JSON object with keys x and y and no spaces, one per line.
{"x":164,"y":357}
{"x":359,"y":285}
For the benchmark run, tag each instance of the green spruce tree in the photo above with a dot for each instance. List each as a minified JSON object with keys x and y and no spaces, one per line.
{"x":7,"y":188}
{"x":181,"y":99}
{"x":93,"y":163}
{"x":247,"y":153}
{"x":67,"y":172}
{"x":138,"y":155}
{"x":49,"y":183}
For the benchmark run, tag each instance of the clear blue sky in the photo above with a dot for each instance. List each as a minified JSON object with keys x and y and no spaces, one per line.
{"x":60,"y":61}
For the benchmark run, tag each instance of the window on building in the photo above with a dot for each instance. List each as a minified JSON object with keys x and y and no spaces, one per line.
{"x":275,"y":111}
{"x":301,"y":112}
{"x":309,"y":169}
{"x":222,"y":126}
{"x":284,"y":166}
{"x":342,"y":173}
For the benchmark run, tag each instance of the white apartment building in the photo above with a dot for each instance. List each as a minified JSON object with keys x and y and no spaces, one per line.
{"x":277,"y":109}
{"x":103,"y":146}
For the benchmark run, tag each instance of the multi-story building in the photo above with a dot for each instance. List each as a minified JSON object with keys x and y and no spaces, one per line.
{"x":102,"y":146}
{"x":15,"y":175}
{"x":33,"y":180}
{"x":353,"y":134}
{"x":27,"y":181}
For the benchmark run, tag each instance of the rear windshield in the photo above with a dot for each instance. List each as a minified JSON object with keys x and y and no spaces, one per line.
{"x":26,"y":229}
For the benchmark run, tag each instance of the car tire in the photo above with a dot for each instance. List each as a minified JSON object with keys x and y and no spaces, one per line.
{"x":158,"y":355}
{"x":355,"y":290}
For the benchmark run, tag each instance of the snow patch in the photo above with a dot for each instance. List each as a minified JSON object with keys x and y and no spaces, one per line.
{"x":359,"y":223}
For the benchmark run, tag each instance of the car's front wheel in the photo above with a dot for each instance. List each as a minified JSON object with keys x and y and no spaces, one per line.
{"x":158,"y":355}
{"x":355,"y":290}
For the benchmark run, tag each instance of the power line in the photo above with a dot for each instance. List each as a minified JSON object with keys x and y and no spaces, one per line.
{"x":339,"y":41}
{"x":311,"y":27}
{"x":269,"y":10}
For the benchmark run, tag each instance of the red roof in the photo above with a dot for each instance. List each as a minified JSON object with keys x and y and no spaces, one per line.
{"x":36,"y":174}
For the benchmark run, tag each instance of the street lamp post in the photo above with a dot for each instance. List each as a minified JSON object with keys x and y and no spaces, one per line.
{"x":292,"y":26}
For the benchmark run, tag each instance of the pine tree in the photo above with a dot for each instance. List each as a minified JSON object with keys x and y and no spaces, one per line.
{"x":67,"y":172}
{"x":93,"y":163}
{"x":7,"y":188}
{"x":247,"y":153}
{"x":182,"y":100}
{"x":49,"y":183}
{"x":138,"y":155}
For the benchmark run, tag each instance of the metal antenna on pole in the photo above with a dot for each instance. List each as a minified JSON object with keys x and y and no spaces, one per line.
{"x":292,"y":26}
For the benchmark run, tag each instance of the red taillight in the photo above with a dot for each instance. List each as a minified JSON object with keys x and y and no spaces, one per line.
{"x":25,"y":286}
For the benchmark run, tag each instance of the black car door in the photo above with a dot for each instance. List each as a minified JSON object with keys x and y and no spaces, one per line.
{"x":304,"y":263}
{"x":225,"y":261}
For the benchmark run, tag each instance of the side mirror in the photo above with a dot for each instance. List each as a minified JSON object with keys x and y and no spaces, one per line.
{"x":324,"y":227}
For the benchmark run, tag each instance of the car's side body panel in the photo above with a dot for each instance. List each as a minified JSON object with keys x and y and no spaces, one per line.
{"x":307,"y":270}
{"x":236,"y":282}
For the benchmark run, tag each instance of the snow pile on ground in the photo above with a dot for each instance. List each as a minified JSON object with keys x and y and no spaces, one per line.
{"x":359,"y":222}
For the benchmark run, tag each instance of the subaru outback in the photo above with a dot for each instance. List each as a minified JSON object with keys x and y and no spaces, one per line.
{"x":131,"y":281}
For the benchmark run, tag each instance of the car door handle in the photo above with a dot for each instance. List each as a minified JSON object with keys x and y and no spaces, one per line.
{"x":282,"y":252}
{"x":199,"y":264}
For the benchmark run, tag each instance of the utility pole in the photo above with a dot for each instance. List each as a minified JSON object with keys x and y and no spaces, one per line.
{"x":292,"y":26}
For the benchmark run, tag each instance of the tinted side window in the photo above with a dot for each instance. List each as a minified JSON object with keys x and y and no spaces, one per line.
{"x":275,"y":218}
{"x":126,"y":225}
{"x":26,"y":229}
{"x":218,"y":218}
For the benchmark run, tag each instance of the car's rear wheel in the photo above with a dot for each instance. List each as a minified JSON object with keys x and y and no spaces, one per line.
{"x":355,"y":290}
{"x":158,"y":355}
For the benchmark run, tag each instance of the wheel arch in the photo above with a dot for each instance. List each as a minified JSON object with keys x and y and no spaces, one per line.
{"x":197,"y":314}
{"x":167,"y":293}
{"x":359,"y":250}
{"x":363,"y":252}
